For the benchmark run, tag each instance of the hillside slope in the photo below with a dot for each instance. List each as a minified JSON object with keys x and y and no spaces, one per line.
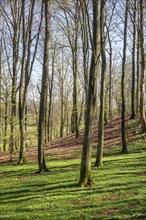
{"x":70,"y":147}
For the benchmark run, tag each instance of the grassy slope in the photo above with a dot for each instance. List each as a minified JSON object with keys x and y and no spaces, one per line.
{"x":118,"y":193}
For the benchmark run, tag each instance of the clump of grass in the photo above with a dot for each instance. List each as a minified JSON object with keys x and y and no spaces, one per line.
{"x":118,"y":192}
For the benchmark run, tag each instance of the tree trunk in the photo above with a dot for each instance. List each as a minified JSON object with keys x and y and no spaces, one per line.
{"x":0,"y":89}
{"x":75,"y":94}
{"x":110,"y":80}
{"x":138,"y":69}
{"x":99,"y":157}
{"x":85,"y":49}
{"x":15,"y":42}
{"x":123,"y":129}
{"x":142,"y":84}
{"x":21,"y":98}
{"x":133,"y":63}
{"x":49,"y":125}
{"x":26,"y":69}
{"x":74,"y":48}
{"x":85,"y":171}
{"x":6,"y":124}
{"x":44,"y":89}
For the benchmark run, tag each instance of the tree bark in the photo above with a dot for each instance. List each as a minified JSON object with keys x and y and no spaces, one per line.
{"x":99,"y":157}
{"x":142,"y":84}
{"x":123,"y":129}
{"x":133,"y":63}
{"x":138,"y":69}
{"x":49,"y":125}
{"x":44,"y":89}
{"x":26,"y":69}
{"x":85,"y":170}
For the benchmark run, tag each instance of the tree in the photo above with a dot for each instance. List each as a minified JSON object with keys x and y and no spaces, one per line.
{"x":0,"y":90}
{"x":138,"y":65}
{"x":84,"y":21}
{"x":85,"y":170}
{"x":15,"y":9}
{"x":6,"y":87}
{"x":124,"y":145}
{"x":134,"y":9}
{"x":51,"y":83}
{"x":26,"y":67}
{"x":70,"y":27}
{"x":141,"y":39}
{"x":44,"y":91}
{"x":99,"y":162}
{"x":12,"y":19}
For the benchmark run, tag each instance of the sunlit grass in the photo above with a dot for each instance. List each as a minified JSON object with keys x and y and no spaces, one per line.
{"x":118,"y":193}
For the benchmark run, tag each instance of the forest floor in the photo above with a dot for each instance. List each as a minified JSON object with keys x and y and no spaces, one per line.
{"x":70,"y":147}
{"x":119,"y":186}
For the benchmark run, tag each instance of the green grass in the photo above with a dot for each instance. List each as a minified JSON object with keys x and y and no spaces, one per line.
{"x":119,"y":191}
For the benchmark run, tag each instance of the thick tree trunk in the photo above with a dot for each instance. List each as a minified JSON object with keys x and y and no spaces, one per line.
{"x":142,"y":84}
{"x":99,"y":157}
{"x":85,"y":171}
{"x":44,"y":89}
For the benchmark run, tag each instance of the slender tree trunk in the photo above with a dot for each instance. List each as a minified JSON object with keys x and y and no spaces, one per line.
{"x":62,"y":106}
{"x":15,"y":41}
{"x":26,"y":112}
{"x":85,"y":49}
{"x":123,"y":129}
{"x":110,"y":80}
{"x":138,"y":70}
{"x":142,"y":84}
{"x":99,"y":162}
{"x":133,"y":63}
{"x":106,"y":105}
{"x":85,"y":171}
{"x":21,"y":100}
{"x":49,"y":126}
{"x":44,"y":89}
{"x":26,"y":69}
{"x":6,"y":124}
{"x":75,"y":127}
{"x":75,"y":94}
{"x":0,"y":90}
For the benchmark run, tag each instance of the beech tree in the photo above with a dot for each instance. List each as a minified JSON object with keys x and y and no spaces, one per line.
{"x":99,"y":162}
{"x":138,"y":63}
{"x":16,"y":19}
{"x":0,"y":90}
{"x":44,"y":90}
{"x":70,"y":27}
{"x":134,"y":10}
{"x":142,"y":74}
{"x":26,"y":67}
{"x":123,"y":129}
{"x":85,"y":170}
{"x":12,"y":20}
